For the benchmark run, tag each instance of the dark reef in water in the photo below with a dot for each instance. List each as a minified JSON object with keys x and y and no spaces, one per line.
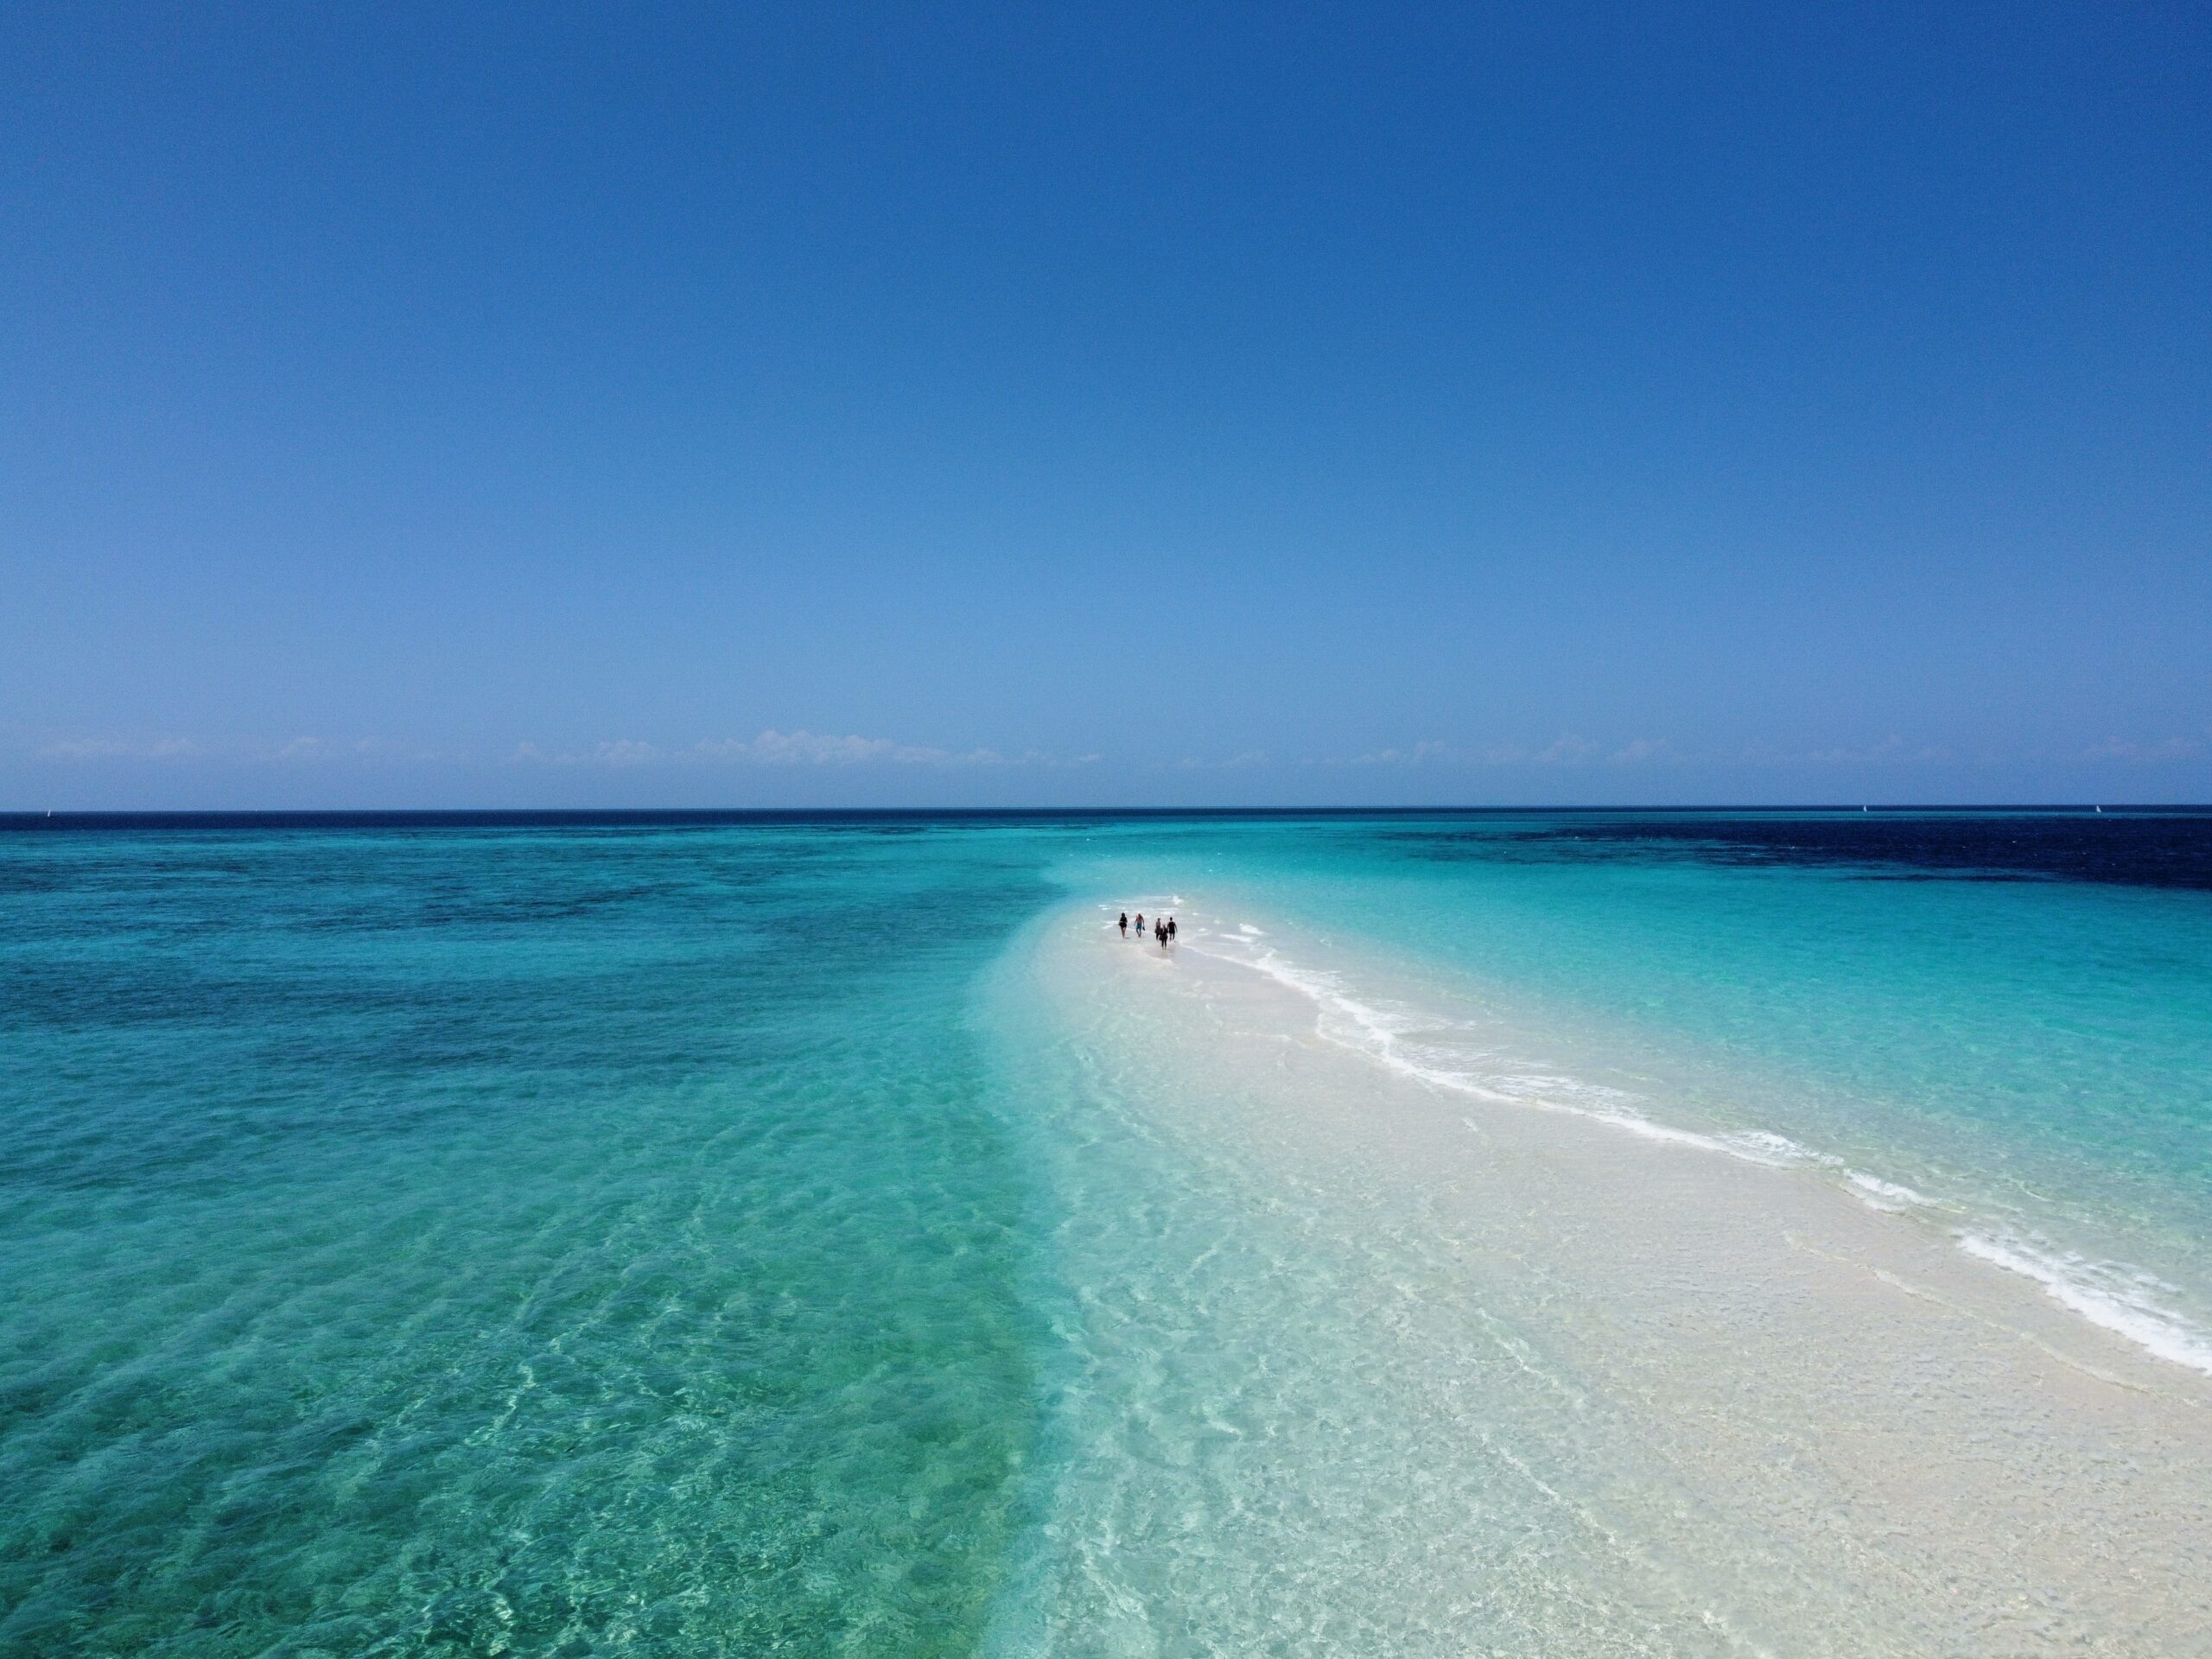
{"x":2153,"y":846}
{"x":2138,"y":849}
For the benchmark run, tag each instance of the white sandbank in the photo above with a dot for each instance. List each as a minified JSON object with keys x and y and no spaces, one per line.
{"x":1775,"y":1407}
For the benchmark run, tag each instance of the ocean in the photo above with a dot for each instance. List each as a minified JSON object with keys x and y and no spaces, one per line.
{"x":1543,"y":1233}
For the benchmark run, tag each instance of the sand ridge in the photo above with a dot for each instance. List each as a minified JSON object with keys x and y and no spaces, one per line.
{"x":1840,"y":1424}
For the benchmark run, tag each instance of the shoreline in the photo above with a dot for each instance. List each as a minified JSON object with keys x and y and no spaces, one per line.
{"x":2116,"y":1296}
{"x":1841,"y":1419}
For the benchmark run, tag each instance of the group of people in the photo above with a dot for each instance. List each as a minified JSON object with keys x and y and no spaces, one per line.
{"x":1163,"y":928}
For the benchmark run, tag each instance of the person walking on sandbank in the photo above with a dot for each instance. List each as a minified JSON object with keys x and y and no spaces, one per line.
{"x":1125,"y":924}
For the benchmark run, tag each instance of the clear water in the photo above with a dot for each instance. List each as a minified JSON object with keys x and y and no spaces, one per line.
{"x":701,"y":1239}
{"x":1943,"y":1002}
{"x":477,"y":1242}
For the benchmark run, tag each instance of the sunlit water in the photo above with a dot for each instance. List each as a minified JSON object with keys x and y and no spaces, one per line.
{"x":708,"y":1239}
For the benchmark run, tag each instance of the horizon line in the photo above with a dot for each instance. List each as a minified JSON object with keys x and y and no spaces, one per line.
{"x":18,"y":819}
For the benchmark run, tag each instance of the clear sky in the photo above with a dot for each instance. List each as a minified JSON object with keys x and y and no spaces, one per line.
{"x":889,"y":404}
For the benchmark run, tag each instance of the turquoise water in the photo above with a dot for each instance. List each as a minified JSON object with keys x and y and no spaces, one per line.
{"x":2038,"y":1051}
{"x":474,"y":1243}
{"x":694,"y":1239}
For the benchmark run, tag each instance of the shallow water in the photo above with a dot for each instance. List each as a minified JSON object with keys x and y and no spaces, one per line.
{"x":475,"y":1242}
{"x":1405,"y":1367}
{"x":717,"y":1237}
{"x":2031,"y":1053}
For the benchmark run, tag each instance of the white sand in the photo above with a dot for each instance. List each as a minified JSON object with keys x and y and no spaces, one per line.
{"x":1737,"y":1409}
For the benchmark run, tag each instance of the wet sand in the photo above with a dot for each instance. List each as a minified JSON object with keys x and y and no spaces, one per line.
{"x":1777,"y":1420}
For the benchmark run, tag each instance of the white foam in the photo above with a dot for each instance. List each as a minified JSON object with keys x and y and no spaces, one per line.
{"x":1886,"y":1196}
{"x":2121,"y":1299}
{"x":1380,"y":1033}
{"x":2115,"y":1297}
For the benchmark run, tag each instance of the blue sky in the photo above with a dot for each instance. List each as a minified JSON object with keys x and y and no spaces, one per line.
{"x":893,"y":404}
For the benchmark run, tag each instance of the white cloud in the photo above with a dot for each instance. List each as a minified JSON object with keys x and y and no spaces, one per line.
{"x":239,"y":751}
{"x":388,"y":748}
{"x":1568,"y":750}
{"x":1420,"y":754}
{"x":804,"y":748}
{"x":775,"y":748}
{"x":116,"y":748}
{"x":1244,"y":761}
{"x":87,"y":748}
{"x":1892,"y":750}
{"x":627,"y":751}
